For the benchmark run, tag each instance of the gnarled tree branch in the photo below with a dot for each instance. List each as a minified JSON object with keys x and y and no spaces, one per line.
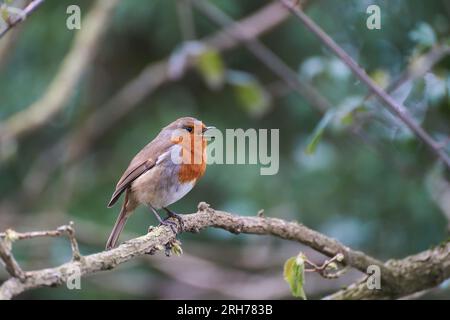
{"x":398,"y":277}
{"x":412,"y":274}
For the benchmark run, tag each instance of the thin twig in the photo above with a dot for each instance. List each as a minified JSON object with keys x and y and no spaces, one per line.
{"x":10,"y":262}
{"x":11,"y":235}
{"x":420,"y":66}
{"x":393,"y":106}
{"x":70,"y":231}
{"x":328,"y":269}
{"x":416,"y":69}
{"x":29,"y":235}
{"x":28,"y":10}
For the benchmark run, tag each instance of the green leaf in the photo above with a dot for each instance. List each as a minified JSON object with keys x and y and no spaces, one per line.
{"x":176,"y":248}
{"x":288,"y":270}
{"x":249,"y":92}
{"x":211,"y":66}
{"x":318,"y":132}
{"x":294,"y":274}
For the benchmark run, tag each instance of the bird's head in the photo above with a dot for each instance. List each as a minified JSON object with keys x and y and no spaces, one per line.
{"x":188,"y":127}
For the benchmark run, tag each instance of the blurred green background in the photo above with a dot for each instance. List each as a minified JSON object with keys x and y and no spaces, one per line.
{"x":379,"y":194}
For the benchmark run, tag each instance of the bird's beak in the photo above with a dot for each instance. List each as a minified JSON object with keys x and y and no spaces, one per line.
{"x":205,"y":129}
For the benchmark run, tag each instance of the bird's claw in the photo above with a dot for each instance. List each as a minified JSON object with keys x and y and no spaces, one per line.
{"x":171,"y":224}
{"x":180,"y":220}
{"x":176,"y":216}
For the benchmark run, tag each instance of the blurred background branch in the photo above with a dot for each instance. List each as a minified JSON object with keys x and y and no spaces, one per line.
{"x":77,"y":143}
{"x":263,"y":54}
{"x":62,"y":87}
{"x":397,"y":109}
{"x":419,"y":66}
{"x":186,"y":18}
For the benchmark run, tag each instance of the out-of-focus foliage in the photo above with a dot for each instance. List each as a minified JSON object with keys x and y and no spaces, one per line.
{"x":249,"y":92}
{"x":211,"y":67}
{"x":369,"y":193}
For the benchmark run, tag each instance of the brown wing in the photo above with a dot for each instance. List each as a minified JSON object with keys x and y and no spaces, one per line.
{"x":141,"y":163}
{"x":125,"y":181}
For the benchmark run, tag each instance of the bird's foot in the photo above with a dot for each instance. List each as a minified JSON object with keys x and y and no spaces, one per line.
{"x":176,"y":216}
{"x":171,"y":224}
{"x":165,"y":222}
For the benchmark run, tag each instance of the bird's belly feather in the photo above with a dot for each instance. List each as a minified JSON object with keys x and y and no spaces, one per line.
{"x":159,"y":187}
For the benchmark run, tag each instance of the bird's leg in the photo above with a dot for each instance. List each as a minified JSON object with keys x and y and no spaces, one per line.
{"x":176,"y":216}
{"x":171,"y":224}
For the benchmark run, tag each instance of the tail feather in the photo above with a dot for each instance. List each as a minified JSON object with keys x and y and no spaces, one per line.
{"x":118,"y":226}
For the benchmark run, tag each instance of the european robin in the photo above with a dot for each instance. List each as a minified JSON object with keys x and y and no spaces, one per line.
{"x":163,"y":172}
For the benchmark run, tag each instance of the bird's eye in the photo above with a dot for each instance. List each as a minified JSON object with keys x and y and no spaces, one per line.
{"x":189,"y":129}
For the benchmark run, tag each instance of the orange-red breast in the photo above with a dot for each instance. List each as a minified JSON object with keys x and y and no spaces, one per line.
{"x":163,"y":172}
